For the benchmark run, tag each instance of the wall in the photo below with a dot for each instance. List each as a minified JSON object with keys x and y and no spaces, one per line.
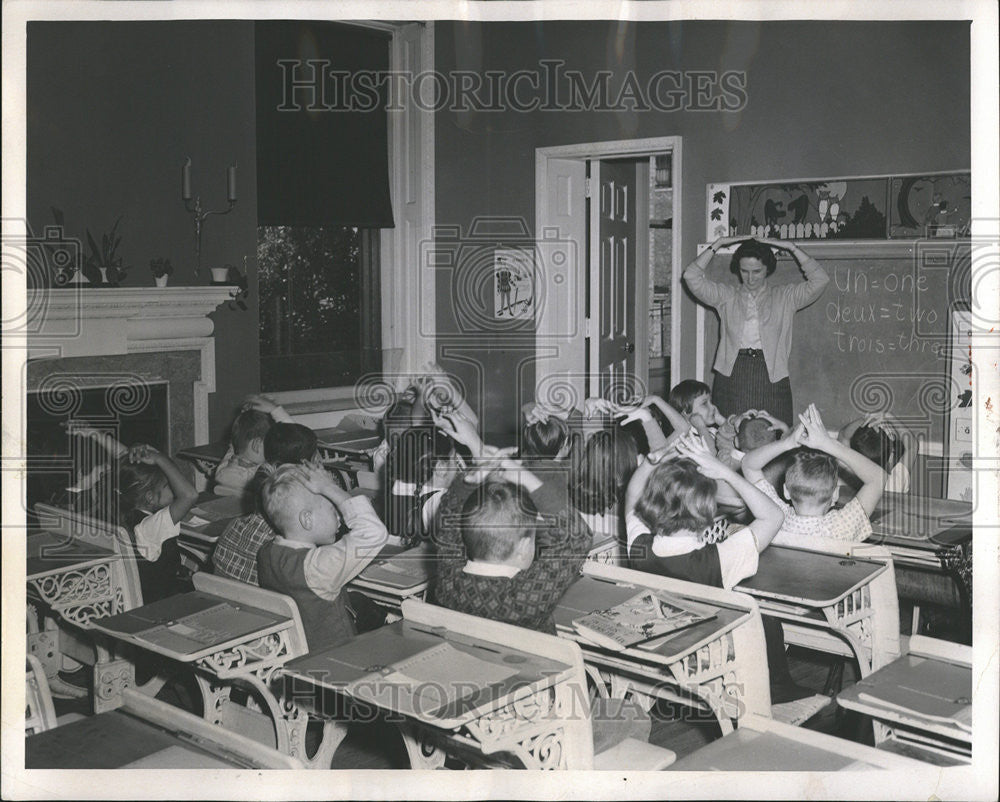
{"x":852,"y":99}
{"x":113,"y":110}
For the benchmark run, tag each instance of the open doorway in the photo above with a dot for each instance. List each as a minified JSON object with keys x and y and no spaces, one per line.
{"x":609,"y":325}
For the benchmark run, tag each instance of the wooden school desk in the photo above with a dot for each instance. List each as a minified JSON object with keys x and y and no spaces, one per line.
{"x":930,"y":540}
{"x":397,"y":574}
{"x":145,"y":733}
{"x":763,"y":744}
{"x":921,"y":703}
{"x":204,"y":525}
{"x":719,"y":665}
{"x":227,"y":633}
{"x":827,"y":601}
{"x":486,"y":693}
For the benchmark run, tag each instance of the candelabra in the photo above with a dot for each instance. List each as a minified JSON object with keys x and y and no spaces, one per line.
{"x":194,"y":205}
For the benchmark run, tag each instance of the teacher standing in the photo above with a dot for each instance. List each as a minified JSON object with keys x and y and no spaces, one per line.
{"x":751,"y":365}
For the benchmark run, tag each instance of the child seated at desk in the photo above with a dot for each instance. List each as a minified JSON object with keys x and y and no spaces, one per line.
{"x":886,"y":443}
{"x":670,"y":522}
{"x":598,"y":475}
{"x":420,"y":466}
{"x":235,"y":553}
{"x":508,"y":546}
{"x":305,"y":560}
{"x":236,"y":471}
{"x":148,"y":494}
{"x":811,"y":482}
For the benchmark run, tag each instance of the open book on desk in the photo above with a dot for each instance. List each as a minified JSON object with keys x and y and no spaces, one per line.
{"x":647,"y":619}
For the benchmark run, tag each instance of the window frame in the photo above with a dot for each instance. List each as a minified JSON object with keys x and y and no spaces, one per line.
{"x":408,"y":330}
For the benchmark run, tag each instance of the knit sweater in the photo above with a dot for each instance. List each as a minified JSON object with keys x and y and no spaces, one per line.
{"x":529,"y":597}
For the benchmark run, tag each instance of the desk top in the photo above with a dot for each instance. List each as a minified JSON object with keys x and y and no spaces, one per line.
{"x":749,"y":750}
{"x":812,"y":578}
{"x":588,"y":594}
{"x":399,"y":570}
{"x":211,"y":452}
{"x":209,"y":518}
{"x":190,"y":626}
{"x":49,"y":553}
{"x":928,"y":693}
{"x":429,"y":673}
{"x":355,"y":442}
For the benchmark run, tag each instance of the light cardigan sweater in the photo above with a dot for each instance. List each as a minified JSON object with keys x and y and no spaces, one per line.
{"x":776,"y":306}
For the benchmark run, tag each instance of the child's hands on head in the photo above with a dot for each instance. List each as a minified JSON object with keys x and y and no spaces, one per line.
{"x":261,"y":403}
{"x":592,"y":407}
{"x":537,"y":414}
{"x":640,"y":414}
{"x":693,"y":446}
{"x":317,"y":480}
{"x":143,"y":453}
{"x":459,"y":428}
{"x":816,"y":435}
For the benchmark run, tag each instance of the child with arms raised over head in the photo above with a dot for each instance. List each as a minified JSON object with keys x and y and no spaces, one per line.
{"x":888,"y":444}
{"x":235,"y":553}
{"x":670,"y":511}
{"x":670,"y":508}
{"x":304,"y":504}
{"x":811,"y":482}
{"x":148,"y":494}
{"x":236,"y":471}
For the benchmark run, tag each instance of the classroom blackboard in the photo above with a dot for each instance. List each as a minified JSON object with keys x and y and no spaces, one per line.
{"x":878,"y":338}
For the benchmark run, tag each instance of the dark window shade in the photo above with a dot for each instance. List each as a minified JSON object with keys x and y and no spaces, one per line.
{"x":320,"y":166}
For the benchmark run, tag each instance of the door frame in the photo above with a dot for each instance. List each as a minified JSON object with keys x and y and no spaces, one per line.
{"x":554,"y":319}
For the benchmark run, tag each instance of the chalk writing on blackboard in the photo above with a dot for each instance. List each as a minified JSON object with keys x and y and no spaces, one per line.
{"x":881,"y":313}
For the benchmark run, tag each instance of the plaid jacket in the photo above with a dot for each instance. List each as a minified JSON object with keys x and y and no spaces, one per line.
{"x":235,"y":554}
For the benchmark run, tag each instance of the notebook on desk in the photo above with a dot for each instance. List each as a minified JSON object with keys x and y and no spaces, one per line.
{"x":401,"y":571}
{"x":187,"y":624}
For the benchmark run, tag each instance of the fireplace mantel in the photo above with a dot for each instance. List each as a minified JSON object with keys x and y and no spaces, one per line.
{"x":97,"y":322}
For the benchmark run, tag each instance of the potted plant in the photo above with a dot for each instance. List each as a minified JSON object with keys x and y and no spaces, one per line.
{"x":239,"y":280}
{"x":220,"y":275}
{"x":103,"y":264}
{"x":161,"y":269}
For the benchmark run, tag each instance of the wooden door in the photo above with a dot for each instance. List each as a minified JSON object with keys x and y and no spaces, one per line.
{"x":614,"y":233}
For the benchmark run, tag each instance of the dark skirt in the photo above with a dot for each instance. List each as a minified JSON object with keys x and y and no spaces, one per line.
{"x":750,"y":388}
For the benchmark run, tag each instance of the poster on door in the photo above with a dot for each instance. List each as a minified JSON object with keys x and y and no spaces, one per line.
{"x":513,"y":284}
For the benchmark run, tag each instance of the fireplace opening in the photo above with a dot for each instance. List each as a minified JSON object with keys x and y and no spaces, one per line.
{"x":130,"y":408}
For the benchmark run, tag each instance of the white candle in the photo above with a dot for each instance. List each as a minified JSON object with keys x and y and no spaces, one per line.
{"x":232,"y":183}
{"x":186,"y":180}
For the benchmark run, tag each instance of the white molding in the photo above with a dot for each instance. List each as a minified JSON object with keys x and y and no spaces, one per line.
{"x":597,"y":150}
{"x":111,"y":321}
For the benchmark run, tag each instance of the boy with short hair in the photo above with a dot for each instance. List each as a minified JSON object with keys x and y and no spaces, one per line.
{"x":246,"y":445}
{"x":811,"y":482}
{"x":508,"y":548}
{"x":305,"y":560}
{"x":235,"y":553}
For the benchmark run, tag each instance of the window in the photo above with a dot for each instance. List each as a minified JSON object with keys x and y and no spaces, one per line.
{"x":322,"y":199}
{"x":319,"y":313}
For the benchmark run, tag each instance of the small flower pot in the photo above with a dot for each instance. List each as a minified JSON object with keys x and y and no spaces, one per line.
{"x":161,"y":281}
{"x":220,"y":275}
